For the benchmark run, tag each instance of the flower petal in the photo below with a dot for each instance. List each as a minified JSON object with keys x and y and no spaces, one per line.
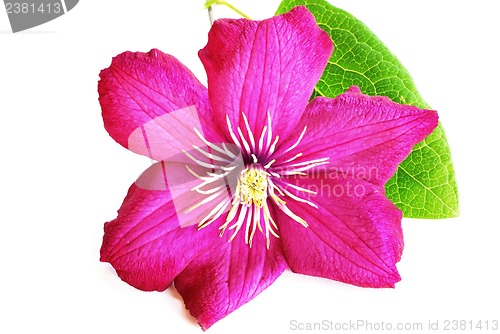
{"x":256,"y":67}
{"x":146,"y":244}
{"x":139,"y":88}
{"x":364,"y":137}
{"x":224,"y":277}
{"x":354,"y":236}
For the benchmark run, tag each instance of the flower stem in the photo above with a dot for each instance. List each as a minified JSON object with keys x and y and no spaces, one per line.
{"x":210,"y":15}
{"x":210,"y":3}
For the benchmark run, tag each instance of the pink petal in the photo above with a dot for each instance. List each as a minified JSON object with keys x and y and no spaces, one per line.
{"x":146,"y":244}
{"x":363,"y":137}
{"x":228,"y":275}
{"x":139,"y":88}
{"x":354,"y":236}
{"x":256,"y":67}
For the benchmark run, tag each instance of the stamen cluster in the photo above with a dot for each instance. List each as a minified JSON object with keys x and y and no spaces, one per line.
{"x":258,"y":174}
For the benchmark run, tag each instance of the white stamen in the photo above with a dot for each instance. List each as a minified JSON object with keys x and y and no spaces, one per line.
{"x":220,"y":175}
{"x":288,"y":173}
{"x":273,"y":146}
{"x":248,"y":222}
{"x":301,"y":189}
{"x":299,"y":199}
{"x":239,"y":223}
{"x":209,"y":191}
{"x":232,"y":134}
{"x":208,"y":180}
{"x":297,"y":142}
{"x":196,"y":175}
{"x":292,"y":215}
{"x":269,"y":130}
{"x":254,"y":158}
{"x":228,"y":152}
{"x":323,"y":160}
{"x":228,"y":169}
{"x":274,"y":187}
{"x":298,"y":155}
{"x":244,"y":141}
{"x":199,"y":162}
{"x":249,"y":131}
{"x":256,"y":223}
{"x":204,"y":201}
{"x":210,"y":155}
{"x":269,"y":227}
{"x":261,"y":140}
{"x":215,"y":213}
{"x":302,"y":169}
{"x":230,"y":215}
{"x":276,"y":175}
{"x":269,"y":164}
{"x":209,"y":144}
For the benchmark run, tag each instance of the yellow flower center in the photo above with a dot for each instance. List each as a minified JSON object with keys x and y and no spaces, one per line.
{"x":253,"y":187}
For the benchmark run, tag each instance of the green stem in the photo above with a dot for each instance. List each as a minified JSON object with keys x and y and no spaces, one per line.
{"x":210,"y":15}
{"x":210,"y":3}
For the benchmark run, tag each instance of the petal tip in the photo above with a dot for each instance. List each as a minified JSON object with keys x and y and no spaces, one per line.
{"x":303,"y":15}
{"x":354,"y":90}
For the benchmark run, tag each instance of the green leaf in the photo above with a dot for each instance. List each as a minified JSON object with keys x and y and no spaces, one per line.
{"x":424,"y":185}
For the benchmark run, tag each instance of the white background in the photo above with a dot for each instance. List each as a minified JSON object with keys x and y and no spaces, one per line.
{"x":63,"y":176}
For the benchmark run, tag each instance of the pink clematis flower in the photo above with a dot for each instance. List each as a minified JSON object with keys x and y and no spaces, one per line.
{"x":253,"y":178}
